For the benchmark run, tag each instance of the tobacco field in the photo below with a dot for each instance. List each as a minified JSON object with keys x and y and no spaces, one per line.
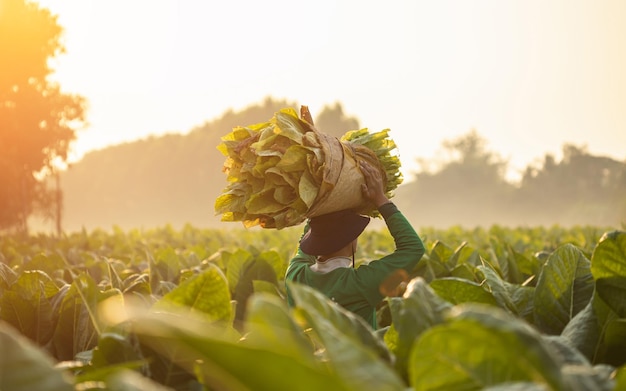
{"x":203,"y":309}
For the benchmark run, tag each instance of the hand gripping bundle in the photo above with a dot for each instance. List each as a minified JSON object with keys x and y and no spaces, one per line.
{"x":283,"y":171}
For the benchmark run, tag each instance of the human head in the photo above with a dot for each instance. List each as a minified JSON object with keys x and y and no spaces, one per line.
{"x":333,"y":231}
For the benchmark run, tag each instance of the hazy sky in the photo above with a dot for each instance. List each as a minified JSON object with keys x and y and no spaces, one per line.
{"x":528,"y":75}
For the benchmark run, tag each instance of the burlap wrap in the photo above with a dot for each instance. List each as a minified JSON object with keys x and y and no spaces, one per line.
{"x":341,"y":183}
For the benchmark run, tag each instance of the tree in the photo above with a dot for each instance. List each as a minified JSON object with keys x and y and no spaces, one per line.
{"x":581,"y":188}
{"x":37,"y":120}
{"x":333,"y":121}
{"x":468,"y":188}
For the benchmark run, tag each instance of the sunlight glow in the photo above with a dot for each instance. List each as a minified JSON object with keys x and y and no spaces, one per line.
{"x":527,"y":75}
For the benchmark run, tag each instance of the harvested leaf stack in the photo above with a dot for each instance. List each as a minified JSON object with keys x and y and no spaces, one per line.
{"x":282,"y":171}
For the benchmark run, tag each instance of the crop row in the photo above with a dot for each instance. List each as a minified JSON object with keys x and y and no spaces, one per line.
{"x":192,"y":309}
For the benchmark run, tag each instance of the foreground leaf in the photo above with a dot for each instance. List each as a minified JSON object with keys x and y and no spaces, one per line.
{"x":224,"y":364}
{"x":24,"y":367}
{"x":353,"y":348}
{"x":564,"y":288}
{"x":419,"y":309}
{"x":481,"y":347}
{"x":608,"y":267}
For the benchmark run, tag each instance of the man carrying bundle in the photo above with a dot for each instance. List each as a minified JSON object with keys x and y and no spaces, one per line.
{"x":325,"y":256}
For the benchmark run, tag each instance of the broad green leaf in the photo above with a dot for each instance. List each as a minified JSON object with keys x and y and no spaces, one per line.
{"x":464,"y":254}
{"x":235,"y":264}
{"x":499,"y":260}
{"x":615,"y":342}
{"x":88,"y":375}
{"x":620,"y":379}
{"x":270,"y":326}
{"x":584,"y":331}
{"x":585,"y":378}
{"x":165,"y":265}
{"x":457,"y":290}
{"x":114,"y":348}
{"x":49,"y":264}
{"x":497,"y":287}
{"x":206,"y":293}
{"x":7,"y":276}
{"x":566,"y":352}
{"x":419,"y":309}
{"x":27,"y":306}
{"x":277,"y":262}
{"x":255,"y":270}
{"x":127,"y":380}
{"x":564,"y":288}
{"x":266,"y":287}
{"x":139,"y":283}
{"x":465,"y":271}
{"x":431,"y":269}
{"x":25,"y":367}
{"x":598,"y":333}
{"x":523,"y":298}
{"x":608,"y":267}
{"x":313,"y":302}
{"x":517,"y":386}
{"x":224,"y":363}
{"x":481,"y":346}
{"x":79,"y":324}
{"x":443,"y":254}
{"x":349,"y":343}
{"x":527,"y":266}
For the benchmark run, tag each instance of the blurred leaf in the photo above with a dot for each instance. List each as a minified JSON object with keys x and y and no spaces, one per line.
{"x":222,"y":363}
{"x":77,"y":328}
{"x":349,"y":343}
{"x":269,"y":326}
{"x":608,"y":267}
{"x":479,"y":347}
{"x":165,"y":265}
{"x":114,"y":348}
{"x":127,"y":380}
{"x":458,"y":290}
{"x":443,"y":254}
{"x":235,"y":264}
{"x":25,"y":367}
{"x":419,"y":309}
{"x":48,"y":264}
{"x":584,"y":378}
{"x":205,"y":294}
{"x":7,"y":276}
{"x":27,"y":306}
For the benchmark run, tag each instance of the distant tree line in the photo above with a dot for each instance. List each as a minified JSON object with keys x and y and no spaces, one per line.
{"x":176,"y":178}
{"x":471,"y":189}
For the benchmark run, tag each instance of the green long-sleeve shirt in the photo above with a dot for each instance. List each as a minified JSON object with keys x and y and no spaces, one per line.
{"x":358,"y":290}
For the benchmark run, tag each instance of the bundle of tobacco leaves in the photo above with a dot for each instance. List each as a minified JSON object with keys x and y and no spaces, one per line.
{"x":280,"y":170}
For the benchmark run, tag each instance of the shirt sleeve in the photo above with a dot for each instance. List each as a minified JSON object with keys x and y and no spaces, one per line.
{"x":409,"y":250}
{"x":298,"y":262}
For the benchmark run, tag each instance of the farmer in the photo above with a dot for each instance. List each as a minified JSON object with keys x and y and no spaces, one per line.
{"x":325,"y":257}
